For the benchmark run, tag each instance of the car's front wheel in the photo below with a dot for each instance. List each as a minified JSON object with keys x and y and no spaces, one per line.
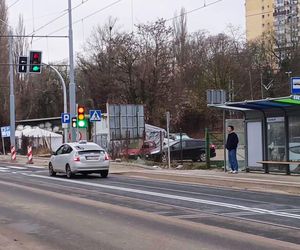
{"x":104,"y":173}
{"x":51,"y":170}
{"x":69,"y":172}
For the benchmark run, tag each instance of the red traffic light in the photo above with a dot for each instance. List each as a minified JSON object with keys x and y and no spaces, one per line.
{"x":36,"y":55}
{"x":80,"y":110}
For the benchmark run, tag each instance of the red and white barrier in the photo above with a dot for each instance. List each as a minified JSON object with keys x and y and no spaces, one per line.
{"x":13,"y":153}
{"x":29,"y":155}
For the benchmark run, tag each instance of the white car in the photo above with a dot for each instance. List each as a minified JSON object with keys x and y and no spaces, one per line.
{"x":79,"y":157}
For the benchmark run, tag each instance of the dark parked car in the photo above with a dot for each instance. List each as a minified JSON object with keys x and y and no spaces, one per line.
{"x":192,"y":149}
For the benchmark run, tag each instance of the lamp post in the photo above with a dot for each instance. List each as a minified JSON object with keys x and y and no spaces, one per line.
{"x":65,"y":97}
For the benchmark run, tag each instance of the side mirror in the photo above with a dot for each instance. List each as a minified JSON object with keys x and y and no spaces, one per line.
{"x":54,"y":153}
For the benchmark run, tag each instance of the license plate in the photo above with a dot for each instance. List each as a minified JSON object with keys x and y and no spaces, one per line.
{"x":92,"y":157}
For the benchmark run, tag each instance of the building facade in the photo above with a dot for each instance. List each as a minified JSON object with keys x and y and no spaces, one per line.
{"x":259,"y":18}
{"x":286,"y":22}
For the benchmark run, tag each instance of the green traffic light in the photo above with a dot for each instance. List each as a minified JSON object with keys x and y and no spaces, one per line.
{"x":82,"y":124}
{"x":36,"y":68}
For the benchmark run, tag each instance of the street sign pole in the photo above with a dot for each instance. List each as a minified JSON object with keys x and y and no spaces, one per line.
{"x":12,"y":96}
{"x":168,"y":133}
{"x":3,"y":146}
{"x":95,"y":131}
{"x":72,"y":88}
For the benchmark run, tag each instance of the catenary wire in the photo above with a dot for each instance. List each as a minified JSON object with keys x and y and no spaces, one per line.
{"x":84,"y":18}
{"x":14,"y":3}
{"x":65,"y":12}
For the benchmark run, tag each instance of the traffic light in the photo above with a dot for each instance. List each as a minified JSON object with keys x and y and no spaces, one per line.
{"x":81,"y":121}
{"x":74,"y":122}
{"x":22,"y":68}
{"x":35,"y":62}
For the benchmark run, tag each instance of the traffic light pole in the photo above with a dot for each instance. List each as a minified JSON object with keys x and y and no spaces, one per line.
{"x":72,"y":86}
{"x":12,"y":95}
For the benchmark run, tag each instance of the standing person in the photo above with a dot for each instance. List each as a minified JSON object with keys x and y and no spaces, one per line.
{"x":231,"y":146}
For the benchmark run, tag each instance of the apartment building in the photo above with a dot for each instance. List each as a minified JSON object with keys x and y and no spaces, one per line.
{"x":280,"y":16}
{"x":286,"y":22}
{"x":259,"y":18}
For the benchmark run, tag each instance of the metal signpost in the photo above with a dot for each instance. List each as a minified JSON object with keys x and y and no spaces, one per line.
{"x":168,"y":134}
{"x":5,"y":132}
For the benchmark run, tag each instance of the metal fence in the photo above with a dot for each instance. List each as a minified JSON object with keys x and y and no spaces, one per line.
{"x":40,"y":145}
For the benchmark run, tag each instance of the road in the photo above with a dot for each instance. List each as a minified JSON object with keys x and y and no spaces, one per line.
{"x":42,"y":212}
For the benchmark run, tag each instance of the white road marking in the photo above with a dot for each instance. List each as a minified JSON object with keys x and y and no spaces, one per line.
{"x":176,"y":197}
{"x":16,"y":167}
{"x":33,"y":166}
{"x":4,"y":171}
{"x":1,"y":168}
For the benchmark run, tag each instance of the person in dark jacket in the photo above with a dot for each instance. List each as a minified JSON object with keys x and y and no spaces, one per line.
{"x":231,"y":146}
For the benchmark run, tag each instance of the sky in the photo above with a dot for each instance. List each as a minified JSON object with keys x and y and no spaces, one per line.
{"x":215,"y":18}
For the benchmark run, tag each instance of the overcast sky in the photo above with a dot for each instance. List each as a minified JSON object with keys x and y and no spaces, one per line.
{"x":214,"y":18}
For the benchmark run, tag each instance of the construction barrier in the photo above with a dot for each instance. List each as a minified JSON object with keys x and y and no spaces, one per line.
{"x":13,"y":153}
{"x":29,"y":155}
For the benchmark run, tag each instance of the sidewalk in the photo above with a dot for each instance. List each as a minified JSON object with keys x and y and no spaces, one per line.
{"x":274,"y":183}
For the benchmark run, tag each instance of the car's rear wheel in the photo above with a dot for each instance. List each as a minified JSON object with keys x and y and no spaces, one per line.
{"x":51,"y":170}
{"x":69,"y":172}
{"x":202,"y":157}
{"x":104,"y":173}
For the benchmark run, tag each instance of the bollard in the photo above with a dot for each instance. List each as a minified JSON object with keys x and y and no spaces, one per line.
{"x":29,"y":155}
{"x":13,"y":153}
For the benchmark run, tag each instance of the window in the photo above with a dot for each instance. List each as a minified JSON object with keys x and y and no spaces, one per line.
{"x":89,"y":152}
{"x":60,"y":150}
{"x":263,"y":16}
{"x":67,"y":149}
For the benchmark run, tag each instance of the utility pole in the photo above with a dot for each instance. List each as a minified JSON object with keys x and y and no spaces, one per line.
{"x":72,"y":86}
{"x":12,"y":95}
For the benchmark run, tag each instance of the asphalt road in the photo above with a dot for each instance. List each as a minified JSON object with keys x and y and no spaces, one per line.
{"x":42,"y":212}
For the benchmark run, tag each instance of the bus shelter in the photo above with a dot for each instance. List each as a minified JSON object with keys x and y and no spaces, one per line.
{"x":271,"y":133}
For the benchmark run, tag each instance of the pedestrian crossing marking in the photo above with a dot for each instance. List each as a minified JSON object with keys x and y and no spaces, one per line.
{"x":17,"y":167}
{"x":14,"y":169}
{"x":33,"y":166}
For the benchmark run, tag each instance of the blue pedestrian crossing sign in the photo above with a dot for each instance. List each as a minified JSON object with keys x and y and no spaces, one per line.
{"x":95,"y":115}
{"x":65,"y":118}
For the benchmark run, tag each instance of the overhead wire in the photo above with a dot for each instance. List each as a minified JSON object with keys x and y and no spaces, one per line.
{"x":261,"y":13}
{"x":205,"y":5}
{"x":84,"y":18}
{"x":13,"y":4}
{"x":64,"y":13}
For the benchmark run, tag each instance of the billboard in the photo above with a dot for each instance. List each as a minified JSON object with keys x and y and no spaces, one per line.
{"x":126,"y":121}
